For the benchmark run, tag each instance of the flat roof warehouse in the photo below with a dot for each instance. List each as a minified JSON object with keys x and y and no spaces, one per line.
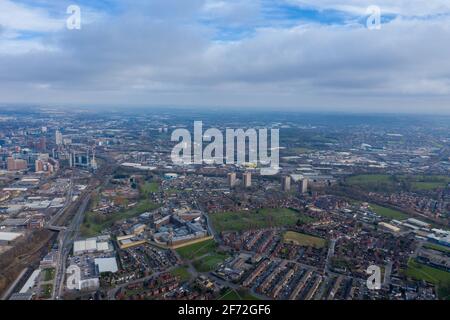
{"x":9,"y":236}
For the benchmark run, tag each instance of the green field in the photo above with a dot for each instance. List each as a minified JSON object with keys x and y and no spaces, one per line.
{"x":437,"y":247}
{"x":388,"y":213}
{"x":427,"y":185}
{"x":48,"y":274}
{"x":264,"y":218}
{"x":47,"y":290}
{"x":230,"y":295}
{"x":387,"y":183}
{"x":368,"y":179}
{"x":420,"y":271}
{"x":428,"y":182}
{"x":197,"y":249}
{"x":238,"y":295}
{"x":303,"y":239}
{"x":205,"y":255}
{"x":209,"y":262}
{"x":94,"y":223}
{"x":149,"y":187}
{"x":181,"y":272}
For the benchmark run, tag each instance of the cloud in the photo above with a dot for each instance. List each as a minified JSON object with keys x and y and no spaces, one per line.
{"x":23,"y":18}
{"x":137,"y":57}
{"x":400,"y":7}
{"x":234,"y":12}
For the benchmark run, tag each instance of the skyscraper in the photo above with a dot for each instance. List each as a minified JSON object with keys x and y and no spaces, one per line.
{"x":42,"y":144}
{"x":286,"y":184}
{"x":247,"y":179}
{"x":231,"y":179}
{"x":38,"y":166}
{"x":93,"y":161}
{"x":58,"y":138}
{"x":304,"y":185}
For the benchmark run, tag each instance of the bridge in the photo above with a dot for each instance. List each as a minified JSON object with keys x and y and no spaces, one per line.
{"x":56,"y":228}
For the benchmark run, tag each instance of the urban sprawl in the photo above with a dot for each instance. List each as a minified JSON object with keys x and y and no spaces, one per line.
{"x":97,"y":192}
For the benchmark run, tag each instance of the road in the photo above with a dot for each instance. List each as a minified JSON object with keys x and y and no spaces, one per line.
{"x":329,"y":256}
{"x":65,"y":242}
{"x":387,"y":274}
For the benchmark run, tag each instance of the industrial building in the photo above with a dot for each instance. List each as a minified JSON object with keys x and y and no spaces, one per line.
{"x":106,"y":265}
{"x":91,"y":245}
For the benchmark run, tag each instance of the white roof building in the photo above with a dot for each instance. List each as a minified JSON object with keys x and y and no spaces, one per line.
{"x":106,"y":265}
{"x":90,"y":245}
{"x":31,"y":282}
{"x":9,"y":236}
{"x":102,"y":246}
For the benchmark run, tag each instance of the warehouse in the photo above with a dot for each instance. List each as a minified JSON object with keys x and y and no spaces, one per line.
{"x":6,"y":237}
{"x":90,"y":246}
{"x":106,"y":265}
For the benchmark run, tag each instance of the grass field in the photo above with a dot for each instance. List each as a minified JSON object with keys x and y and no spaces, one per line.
{"x":427,"y":185}
{"x":238,"y":295}
{"x":385,"y":183}
{"x":197,"y":249}
{"x":182,"y":272}
{"x":436,"y":247}
{"x":303,"y":239}
{"x":388,"y":213}
{"x":49,"y":274}
{"x":47,"y":290}
{"x":241,"y":221}
{"x":230,"y":295}
{"x":368,"y":179}
{"x":420,"y":271}
{"x":210,"y":262}
{"x":428,"y":182}
{"x":205,"y":255}
{"x":94,"y":223}
{"x":149,"y":187}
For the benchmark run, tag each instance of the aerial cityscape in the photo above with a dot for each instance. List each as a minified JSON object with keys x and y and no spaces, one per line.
{"x":98,"y":193}
{"x":205,"y":151}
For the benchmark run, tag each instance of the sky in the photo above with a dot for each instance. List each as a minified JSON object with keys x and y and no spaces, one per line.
{"x":261,"y":54}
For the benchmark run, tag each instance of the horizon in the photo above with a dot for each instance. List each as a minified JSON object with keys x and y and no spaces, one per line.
{"x":210,"y":109}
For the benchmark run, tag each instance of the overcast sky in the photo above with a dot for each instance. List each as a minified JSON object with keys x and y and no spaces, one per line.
{"x":297,"y":54}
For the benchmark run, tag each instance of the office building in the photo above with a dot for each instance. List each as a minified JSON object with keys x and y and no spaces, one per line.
{"x":231,"y":179}
{"x":16,"y":164}
{"x":286,"y":184}
{"x":304,"y":186}
{"x":247,"y":179}
{"x":39,"y":166}
{"x":58,"y":138}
